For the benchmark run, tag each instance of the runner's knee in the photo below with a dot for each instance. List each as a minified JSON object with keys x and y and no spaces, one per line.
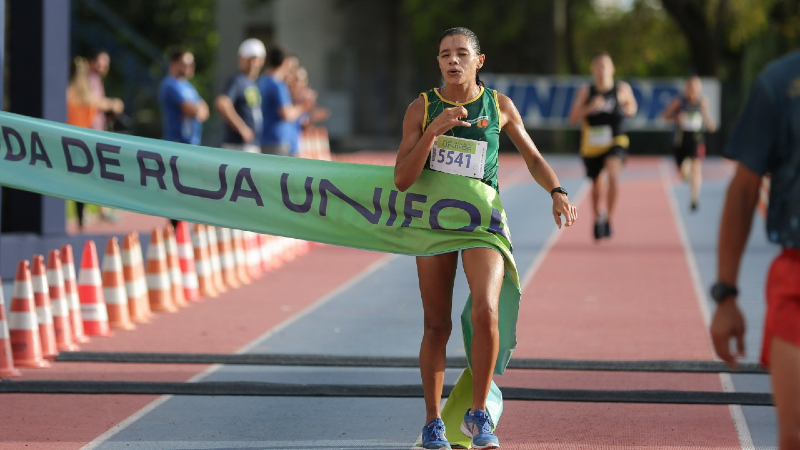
{"x":484,"y":317}
{"x":438,"y":329}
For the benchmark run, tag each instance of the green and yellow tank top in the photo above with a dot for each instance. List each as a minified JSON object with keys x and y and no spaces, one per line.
{"x":483,"y":113}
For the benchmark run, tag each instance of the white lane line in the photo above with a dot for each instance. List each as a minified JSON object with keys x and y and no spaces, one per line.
{"x":742,"y":430}
{"x":372,"y":268}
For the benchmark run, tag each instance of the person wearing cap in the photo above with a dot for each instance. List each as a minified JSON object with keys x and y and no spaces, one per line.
{"x":240,"y":101}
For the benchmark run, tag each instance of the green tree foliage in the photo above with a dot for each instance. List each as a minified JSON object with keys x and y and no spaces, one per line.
{"x":635,"y":38}
{"x":640,"y":41}
{"x":513,"y":34}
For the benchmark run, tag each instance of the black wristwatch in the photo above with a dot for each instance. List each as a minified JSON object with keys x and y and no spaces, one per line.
{"x":721,"y":291}
{"x":560,"y":190}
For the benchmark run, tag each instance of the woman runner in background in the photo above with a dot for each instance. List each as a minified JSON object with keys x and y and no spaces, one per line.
{"x":689,"y":111}
{"x":464,"y":108}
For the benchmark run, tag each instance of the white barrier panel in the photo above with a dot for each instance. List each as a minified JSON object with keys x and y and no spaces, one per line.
{"x":544,"y":101}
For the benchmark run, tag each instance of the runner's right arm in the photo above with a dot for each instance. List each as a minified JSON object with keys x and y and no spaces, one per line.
{"x":416,"y":144}
{"x":580,"y":107}
{"x":737,"y":219}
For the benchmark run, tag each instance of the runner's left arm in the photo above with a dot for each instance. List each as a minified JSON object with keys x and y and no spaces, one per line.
{"x":671,"y":111}
{"x":511,"y":122}
{"x":707,"y":121}
{"x":628,"y":100}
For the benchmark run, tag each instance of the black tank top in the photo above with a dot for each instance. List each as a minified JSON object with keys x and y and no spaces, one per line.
{"x":694,"y":136}
{"x":611,"y":114}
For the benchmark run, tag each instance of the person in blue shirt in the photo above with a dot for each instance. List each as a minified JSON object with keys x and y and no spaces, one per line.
{"x":280,"y":114}
{"x":766,"y":140}
{"x":183,"y":111}
{"x":240,"y":101}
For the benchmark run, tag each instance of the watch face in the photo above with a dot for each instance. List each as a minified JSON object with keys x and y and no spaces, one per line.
{"x":722,"y":291}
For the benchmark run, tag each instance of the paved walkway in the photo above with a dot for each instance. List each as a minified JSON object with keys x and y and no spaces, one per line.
{"x":640,"y":295}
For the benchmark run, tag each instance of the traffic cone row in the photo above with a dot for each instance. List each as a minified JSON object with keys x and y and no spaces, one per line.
{"x":52,"y":310}
{"x":314,"y":144}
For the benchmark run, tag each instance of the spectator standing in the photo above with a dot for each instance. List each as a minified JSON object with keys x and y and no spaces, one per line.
{"x":81,"y":107}
{"x":81,"y":104}
{"x":280,"y":114}
{"x":766,"y":139}
{"x":99,"y":64}
{"x":183,"y":111}
{"x":240,"y":101}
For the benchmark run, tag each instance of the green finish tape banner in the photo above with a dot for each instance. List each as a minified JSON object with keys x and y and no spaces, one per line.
{"x":354,"y":205}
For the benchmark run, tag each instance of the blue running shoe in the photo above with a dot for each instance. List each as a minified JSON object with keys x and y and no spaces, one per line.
{"x":433,"y":435}
{"x":479,"y":426}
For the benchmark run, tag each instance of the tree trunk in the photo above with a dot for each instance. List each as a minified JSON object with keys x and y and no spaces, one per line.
{"x":701,"y":38}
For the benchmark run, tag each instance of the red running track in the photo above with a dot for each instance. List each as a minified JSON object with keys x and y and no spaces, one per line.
{"x":627,"y":298}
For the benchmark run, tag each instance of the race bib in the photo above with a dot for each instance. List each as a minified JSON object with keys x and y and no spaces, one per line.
{"x":459,"y":156}
{"x":600,"y":135}
{"x":692,"y":121}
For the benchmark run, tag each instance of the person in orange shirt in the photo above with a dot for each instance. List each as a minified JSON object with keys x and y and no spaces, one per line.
{"x":81,"y":106}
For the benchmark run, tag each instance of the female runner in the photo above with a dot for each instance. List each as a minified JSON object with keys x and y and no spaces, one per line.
{"x":464,"y":108}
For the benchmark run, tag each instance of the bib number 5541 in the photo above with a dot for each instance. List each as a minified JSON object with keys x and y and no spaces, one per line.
{"x":458,"y":156}
{"x":448,"y":159}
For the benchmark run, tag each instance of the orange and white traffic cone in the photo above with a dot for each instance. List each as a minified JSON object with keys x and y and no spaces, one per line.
{"x":159,"y":287}
{"x":326,"y":145}
{"x":44,"y":312}
{"x":141,"y":275}
{"x":240,"y":257}
{"x":6,"y":357}
{"x":191,"y":291}
{"x":225,"y":246}
{"x":213,"y":255}
{"x":280,"y":250}
{"x":58,"y":301}
{"x":135,"y":283}
{"x":116,"y":296}
{"x":253,"y":254}
{"x":266,"y":254}
{"x":90,"y":291}
{"x":226,"y":258}
{"x":205,"y":275}
{"x":23,"y":326}
{"x":175,"y":275}
{"x":71,"y":292}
